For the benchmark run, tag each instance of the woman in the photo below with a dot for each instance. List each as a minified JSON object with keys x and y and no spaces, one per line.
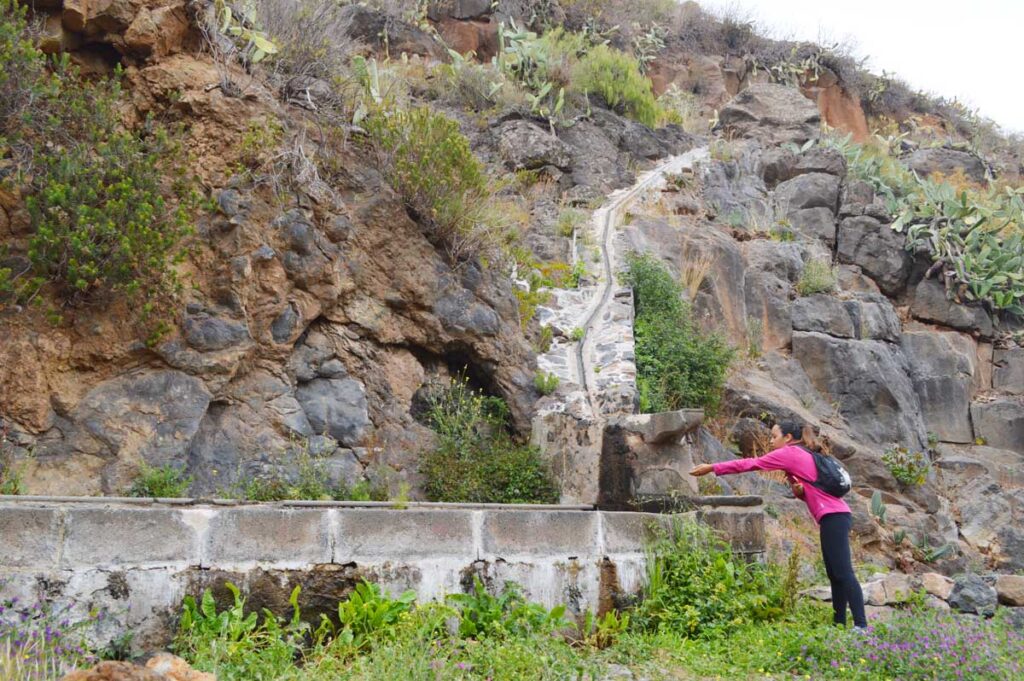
{"x":831,"y":513}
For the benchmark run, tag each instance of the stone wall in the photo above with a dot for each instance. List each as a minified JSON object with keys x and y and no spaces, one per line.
{"x":138,"y":559}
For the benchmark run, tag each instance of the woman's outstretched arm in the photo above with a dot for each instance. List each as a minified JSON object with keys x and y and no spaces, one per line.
{"x":777,"y":460}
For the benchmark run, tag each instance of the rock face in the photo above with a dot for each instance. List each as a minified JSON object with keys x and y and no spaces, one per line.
{"x":335,"y":407}
{"x":1008,"y":372}
{"x":773,"y":113}
{"x":877,"y":250}
{"x":527,"y":146}
{"x":946,"y":161}
{"x":869,"y":381}
{"x":942,"y":367}
{"x":1000,"y":422}
{"x":932,"y":304}
{"x":972,"y":594}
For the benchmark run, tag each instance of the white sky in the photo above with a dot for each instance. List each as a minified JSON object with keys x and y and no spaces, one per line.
{"x":968,"y":50}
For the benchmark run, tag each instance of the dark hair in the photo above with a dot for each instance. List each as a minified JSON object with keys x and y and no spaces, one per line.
{"x":800,"y":432}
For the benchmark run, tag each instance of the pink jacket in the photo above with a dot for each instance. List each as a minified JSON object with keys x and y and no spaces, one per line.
{"x":798,"y":464}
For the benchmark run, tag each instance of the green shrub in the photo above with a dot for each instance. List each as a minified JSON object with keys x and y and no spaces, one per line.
{"x":108,"y":206}
{"x":909,"y":468}
{"x":678,"y":365}
{"x":476,"y":459}
{"x":697,"y":587}
{"x":615,"y":76}
{"x":545,"y":382}
{"x":368,"y":612}
{"x":816,"y":277}
{"x":429,"y":163}
{"x":160,"y":482}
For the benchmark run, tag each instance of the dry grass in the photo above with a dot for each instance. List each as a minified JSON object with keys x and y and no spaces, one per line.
{"x":695,"y":270}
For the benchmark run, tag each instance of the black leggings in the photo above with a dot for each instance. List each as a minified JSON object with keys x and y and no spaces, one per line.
{"x":835,"y":549}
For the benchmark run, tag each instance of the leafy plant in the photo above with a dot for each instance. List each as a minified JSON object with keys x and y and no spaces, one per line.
{"x":545,"y":382}
{"x":615,"y":76}
{"x":695,"y":585}
{"x":476,"y":458}
{"x":678,"y":365}
{"x":160,"y":482}
{"x":235,"y":645}
{"x":816,"y":277}
{"x":603,"y":632}
{"x":909,"y":468}
{"x":368,"y":612}
{"x":577,"y":334}
{"x":878,"y":507}
{"x":509,"y":614}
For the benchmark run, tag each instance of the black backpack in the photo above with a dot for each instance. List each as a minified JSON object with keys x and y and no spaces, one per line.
{"x":833,"y":479}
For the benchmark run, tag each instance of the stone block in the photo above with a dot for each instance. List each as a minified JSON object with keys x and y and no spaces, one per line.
{"x":632,"y":532}
{"x":942,"y":368}
{"x":1010,"y":590}
{"x":534,"y":533}
{"x":1000,"y":422}
{"x":931,"y":304}
{"x":743,"y":529}
{"x":937,"y":585}
{"x":668,"y":426}
{"x":1008,"y":370}
{"x":128,"y":535}
{"x":29,"y":537}
{"x":383,"y":534}
{"x":267,"y":535}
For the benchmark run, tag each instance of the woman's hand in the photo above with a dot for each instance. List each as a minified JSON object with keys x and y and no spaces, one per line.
{"x":798,"y":489}
{"x":702,"y":469}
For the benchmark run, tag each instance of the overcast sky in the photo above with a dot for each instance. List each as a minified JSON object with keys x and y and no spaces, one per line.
{"x":969,"y":50}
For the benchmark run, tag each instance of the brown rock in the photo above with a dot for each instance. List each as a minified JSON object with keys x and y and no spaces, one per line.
{"x":115,"y":671}
{"x":24,"y":395}
{"x":478,"y":37}
{"x":158,"y":32}
{"x":838,"y":108}
{"x":173,"y":668}
{"x":1010,"y":590}
{"x":56,"y":37}
{"x":937,"y":585}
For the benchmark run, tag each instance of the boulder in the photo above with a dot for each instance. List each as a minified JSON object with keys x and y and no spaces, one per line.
{"x":335,"y":407}
{"x":1010,"y":554}
{"x":942,"y":367}
{"x":663,"y":427}
{"x":823,"y":314}
{"x":821,"y":160}
{"x":813,"y":190}
{"x":937,"y":585}
{"x":209,"y":333}
{"x":1008,"y":370}
{"x":596,"y":164}
{"x":151,"y":415}
{"x":972,"y":594}
{"x":877,"y":249}
{"x":458,"y":9}
{"x":931,"y":304}
{"x":946,"y":161}
{"x":1010,"y":590}
{"x":873,"y":317}
{"x":526,"y":146}
{"x":816,"y":223}
{"x":857,"y":194}
{"x":372,"y":27}
{"x":870,"y":383}
{"x":1000,"y":422}
{"x":771,"y":113}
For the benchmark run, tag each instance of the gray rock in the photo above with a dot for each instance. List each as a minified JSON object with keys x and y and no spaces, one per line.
{"x":734,"y":188}
{"x":597,"y":164}
{"x":1008,"y":370}
{"x":1000,"y":422}
{"x":332,"y":368}
{"x":526,"y":146}
{"x":766,"y":298}
{"x":772,"y":113}
{"x":932,"y":305}
{"x":305,"y":361}
{"x":869,"y":382}
{"x":816,"y":223}
{"x":339,"y":228}
{"x":458,"y":9}
{"x":1011,"y":550}
{"x":283,"y":327}
{"x":877,"y":249}
{"x":206,"y":333}
{"x":972,"y":594}
{"x":942,"y":367}
{"x":664,"y":427}
{"x":371,"y":27}
{"x":823,"y":314}
{"x":343,"y":469}
{"x":874,"y":317}
{"x":780,"y":259}
{"x":335,"y":407}
{"x":856,"y":195}
{"x":264,"y":253}
{"x":153,"y":414}
{"x":460,"y":311}
{"x":946,"y":161}
{"x":813,"y":190}
{"x":231,"y":202}
{"x":821,"y":160}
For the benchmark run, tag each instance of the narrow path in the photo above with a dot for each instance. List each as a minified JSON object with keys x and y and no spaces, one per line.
{"x":607,"y":219}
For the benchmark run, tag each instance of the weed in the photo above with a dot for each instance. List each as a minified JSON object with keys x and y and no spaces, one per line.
{"x":545,"y":382}
{"x":165,"y":481}
{"x":816,"y":277}
{"x":907,"y":467}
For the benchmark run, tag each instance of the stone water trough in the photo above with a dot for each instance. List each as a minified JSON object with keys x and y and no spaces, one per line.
{"x":137,"y":559}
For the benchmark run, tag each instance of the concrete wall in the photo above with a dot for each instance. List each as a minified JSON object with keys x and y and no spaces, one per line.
{"x":138,"y":559}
